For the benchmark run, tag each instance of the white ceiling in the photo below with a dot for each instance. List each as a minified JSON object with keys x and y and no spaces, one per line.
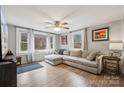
{"x":77,"y":16}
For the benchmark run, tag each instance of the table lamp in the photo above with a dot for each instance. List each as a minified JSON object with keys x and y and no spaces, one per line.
{"x":116,"y":48}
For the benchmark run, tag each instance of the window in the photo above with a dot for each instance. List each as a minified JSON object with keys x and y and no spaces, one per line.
{"x":51,"y":42}
{"x":33,"y":41}
{"x":24,"y":41}
{"x":77,"y":41}
{"x":39,"y":42}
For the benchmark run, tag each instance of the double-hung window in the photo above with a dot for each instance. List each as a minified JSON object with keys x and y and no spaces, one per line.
{"x":77,"y":40}
{"x":40,"y":42}
{"x":22,"y":40}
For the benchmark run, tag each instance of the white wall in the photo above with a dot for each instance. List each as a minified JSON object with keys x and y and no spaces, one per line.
{"x":12,"y":38}
{"x":114,"y":35}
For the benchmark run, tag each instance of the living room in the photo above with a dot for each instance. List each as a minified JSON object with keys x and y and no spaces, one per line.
{"x":82,"y":42}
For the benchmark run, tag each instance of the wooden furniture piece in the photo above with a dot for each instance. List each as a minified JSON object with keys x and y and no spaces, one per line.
{"x":111,"y":64}
{"x":19,"y":60}
{"x":8,"y":74}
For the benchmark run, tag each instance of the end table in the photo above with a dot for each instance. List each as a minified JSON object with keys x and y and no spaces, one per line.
{"x":18,"y":58}
{"x":111,"y":64}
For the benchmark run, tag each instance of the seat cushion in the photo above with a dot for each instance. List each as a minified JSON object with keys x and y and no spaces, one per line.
{"x":53,"y":57}
{"x":80,"y":61}
{"x":66,"y":53}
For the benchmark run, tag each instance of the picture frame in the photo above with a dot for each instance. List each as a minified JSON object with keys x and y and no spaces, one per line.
{"x":64,"y":40}
{"x":101,"y":34}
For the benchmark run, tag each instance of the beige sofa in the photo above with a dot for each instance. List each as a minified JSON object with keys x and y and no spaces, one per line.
{"x":85,"y":60}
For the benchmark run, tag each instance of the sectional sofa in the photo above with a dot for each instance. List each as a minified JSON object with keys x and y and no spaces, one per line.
{"x":86,"y":60}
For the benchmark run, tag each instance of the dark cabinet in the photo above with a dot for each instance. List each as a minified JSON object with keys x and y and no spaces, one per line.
{"x":8,"y":74}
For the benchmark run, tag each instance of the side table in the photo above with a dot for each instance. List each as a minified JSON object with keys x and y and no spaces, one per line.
{"x":111,"y":64}
{"x":19,"y":60}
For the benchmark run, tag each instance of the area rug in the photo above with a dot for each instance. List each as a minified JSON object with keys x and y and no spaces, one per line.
{"x":28,"y":67}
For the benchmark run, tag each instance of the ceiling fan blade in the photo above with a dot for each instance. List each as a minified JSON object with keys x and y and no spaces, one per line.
{"x":66,"y":28}
{"x":65,"y":23}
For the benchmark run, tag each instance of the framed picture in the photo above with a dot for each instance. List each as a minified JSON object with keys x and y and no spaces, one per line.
{"x":100,"y":34}
{"x":64,"y":40}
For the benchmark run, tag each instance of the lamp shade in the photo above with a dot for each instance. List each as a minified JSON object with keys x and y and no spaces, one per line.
{"x":116,"y":46}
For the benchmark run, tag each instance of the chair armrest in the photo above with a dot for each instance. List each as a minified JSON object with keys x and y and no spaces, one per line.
{"x":99,"y":64}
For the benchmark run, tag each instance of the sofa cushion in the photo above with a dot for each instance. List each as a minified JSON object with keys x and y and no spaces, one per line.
{"x":76,"y":53}
{"x":53,"y":57}
{"x":85,"y":53}
{"x":91,"y":55}
{"x":80,"y":61}
{"x":66,"y":53}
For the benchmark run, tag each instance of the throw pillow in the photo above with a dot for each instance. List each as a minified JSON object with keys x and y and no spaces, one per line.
{"x":85,"y":53}
{"x":91,"y":55}
{"x":61,"y":51}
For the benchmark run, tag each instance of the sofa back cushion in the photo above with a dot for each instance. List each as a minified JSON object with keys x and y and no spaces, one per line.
{"x":66,"y":53}
{"x":91,"y":56}
{"x":85,"y":53}
{"x":75,"y":53}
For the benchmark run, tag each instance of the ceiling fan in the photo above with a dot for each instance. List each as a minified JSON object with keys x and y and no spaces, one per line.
{"x":57,"y":25}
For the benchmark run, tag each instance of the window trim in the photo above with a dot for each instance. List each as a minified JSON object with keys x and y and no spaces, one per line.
{"x":77,"y":33}
{"x":18,"y":40}
{"x":40,"y":33}
{"x":34,"y":43}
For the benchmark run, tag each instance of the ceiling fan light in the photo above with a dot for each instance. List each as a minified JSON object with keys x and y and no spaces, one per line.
{"x":57,"y":29}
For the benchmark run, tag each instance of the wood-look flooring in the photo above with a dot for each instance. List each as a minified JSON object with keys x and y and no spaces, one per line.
{"x":66,"y":76}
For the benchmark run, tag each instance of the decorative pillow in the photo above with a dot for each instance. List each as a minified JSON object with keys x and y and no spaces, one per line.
{"x":91,"y":55}
{"x":66,"y":53}
{"x":61,"y":51}
{"x":75,"y":53}
{"x":85,"y":53}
